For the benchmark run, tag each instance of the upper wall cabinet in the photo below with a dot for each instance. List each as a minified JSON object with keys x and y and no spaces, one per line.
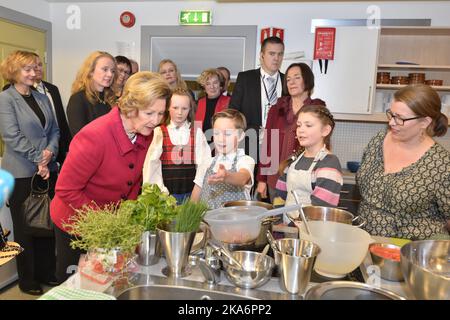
{"x":415,"y":53}
{"x":349,"y":84}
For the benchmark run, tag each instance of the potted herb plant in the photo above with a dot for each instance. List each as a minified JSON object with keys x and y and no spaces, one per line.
{"x":107,"y":234}
{"x":151,"y":209}
{"x":178,"y":236}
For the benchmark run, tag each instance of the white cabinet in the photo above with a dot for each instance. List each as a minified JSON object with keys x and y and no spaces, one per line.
{"x":349,"y":84}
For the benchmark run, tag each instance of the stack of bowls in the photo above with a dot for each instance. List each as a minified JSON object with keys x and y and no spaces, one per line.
{"x":384,"y":77}
{"x":400,"y":80}
{"x":416,"y":78}
{"x":434,"y":82}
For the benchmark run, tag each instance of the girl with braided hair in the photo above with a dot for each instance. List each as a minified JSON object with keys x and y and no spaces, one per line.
{"x":313,"y":171}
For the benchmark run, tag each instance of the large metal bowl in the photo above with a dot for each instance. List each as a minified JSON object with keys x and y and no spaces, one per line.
{"x":251,"y":276}
{"x":319,"y":213}
{"x":426,"y":268}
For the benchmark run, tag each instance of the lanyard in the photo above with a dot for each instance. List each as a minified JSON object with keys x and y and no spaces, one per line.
{"x":266,"y":105}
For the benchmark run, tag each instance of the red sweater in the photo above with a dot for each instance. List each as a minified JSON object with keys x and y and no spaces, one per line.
{"x":282,"y":118}
{"x":221,"y":104}
{"x":102,"y":166}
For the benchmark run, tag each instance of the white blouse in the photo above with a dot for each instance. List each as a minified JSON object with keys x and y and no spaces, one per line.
{"x":152,"y":171}
{"x":243,"y":162}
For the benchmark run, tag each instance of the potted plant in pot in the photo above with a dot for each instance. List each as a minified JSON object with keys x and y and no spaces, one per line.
{"x":108,"y":236}
{"x":151,"y":209}
{"x":178,"y":236}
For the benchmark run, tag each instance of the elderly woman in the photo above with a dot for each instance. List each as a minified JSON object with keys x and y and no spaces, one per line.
{"x":404,"y":176}
{"x":92,"y":91}
{"x":281,"y":125}
{"x":109,"y":169}
{"x":213,"y":83}
{"x":30,"y":132}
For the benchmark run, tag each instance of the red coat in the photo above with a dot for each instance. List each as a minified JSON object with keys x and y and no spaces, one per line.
{"x":102,"y":166}
{"x":282,"y":118}
{"x":221,"y":104}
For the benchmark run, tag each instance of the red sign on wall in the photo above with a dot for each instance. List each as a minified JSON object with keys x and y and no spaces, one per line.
{"x":272,"y":32}
{"x":324,"y":43}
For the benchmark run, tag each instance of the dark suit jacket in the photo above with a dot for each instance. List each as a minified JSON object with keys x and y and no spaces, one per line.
{"x":65,"y":136}
{"x":246,"y":96}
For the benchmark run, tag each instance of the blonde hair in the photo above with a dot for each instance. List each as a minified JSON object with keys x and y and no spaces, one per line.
{"x":238,"y":118}
{"x":83,"y":80}
{"x":180,"y":81}
{"x":10,"y":67}
{"x":424,"y":101}
{"x":184,"y":93}
{"x":143,"y":89}
{"x":208,"y":73}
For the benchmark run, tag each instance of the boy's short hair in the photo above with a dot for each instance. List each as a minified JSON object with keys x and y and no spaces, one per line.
{"x":239,"y":119}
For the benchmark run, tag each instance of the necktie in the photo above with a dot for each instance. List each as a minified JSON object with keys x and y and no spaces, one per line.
{"x":272,"y":90}
{"x":40,"y":88}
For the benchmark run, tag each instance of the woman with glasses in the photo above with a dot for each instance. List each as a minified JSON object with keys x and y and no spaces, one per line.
{"x":123,"y":73}
{"x":404,"y":176}
{"x":213,"y":83}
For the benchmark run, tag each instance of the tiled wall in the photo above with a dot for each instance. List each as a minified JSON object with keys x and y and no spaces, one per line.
{"x":350,"y":138}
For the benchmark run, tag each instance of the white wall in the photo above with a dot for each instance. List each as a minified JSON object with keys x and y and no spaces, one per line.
{"x":36,"y":8}
{"x":100,"y":27}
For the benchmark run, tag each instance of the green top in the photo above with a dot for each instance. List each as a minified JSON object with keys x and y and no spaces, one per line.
{"x":411,"y":204}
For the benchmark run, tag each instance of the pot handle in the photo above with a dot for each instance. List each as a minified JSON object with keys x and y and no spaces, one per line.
{"x":356,"y":219}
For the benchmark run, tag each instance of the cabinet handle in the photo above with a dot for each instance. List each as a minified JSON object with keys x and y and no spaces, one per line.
{"x":368,"y":101}
{"x":343,"y":208}
{"x":345,"y":191}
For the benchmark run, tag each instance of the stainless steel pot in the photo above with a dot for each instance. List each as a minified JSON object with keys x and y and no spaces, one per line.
{"x":266,"y":223}
{"x":333,"y":214}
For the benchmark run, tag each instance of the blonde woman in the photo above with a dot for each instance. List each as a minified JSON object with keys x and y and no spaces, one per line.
{"x":109,"y":169}
{"x":92,"y":91}
{"x":30,"y":132}
{"x":168,"y":69}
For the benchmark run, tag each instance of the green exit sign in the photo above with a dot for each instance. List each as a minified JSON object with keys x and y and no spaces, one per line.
{"x":195,"y":17}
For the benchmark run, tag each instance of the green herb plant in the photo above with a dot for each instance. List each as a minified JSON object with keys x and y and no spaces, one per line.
{"x":189,"y":216}
{"x":152,"y":208}
{"x":105,"y":228}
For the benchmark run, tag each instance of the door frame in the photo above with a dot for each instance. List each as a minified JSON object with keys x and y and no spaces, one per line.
{"x":249,"y":32}
{"x":36,"y":23}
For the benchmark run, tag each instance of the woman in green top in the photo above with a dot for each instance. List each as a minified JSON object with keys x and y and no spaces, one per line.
{"x":404,"y":177}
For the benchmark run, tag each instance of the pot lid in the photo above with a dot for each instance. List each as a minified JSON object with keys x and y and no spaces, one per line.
{"x":347,"y":290}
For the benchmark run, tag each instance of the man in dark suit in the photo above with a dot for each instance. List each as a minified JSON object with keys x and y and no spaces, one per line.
{"x":257,"y":90}
{"x":52,"y":92}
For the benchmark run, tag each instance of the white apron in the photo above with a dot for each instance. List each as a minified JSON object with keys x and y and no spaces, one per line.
{"x":300,"y":181}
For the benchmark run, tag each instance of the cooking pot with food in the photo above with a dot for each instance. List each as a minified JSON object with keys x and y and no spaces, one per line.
{"x":266,"y":223}
{"x":241,"y":224}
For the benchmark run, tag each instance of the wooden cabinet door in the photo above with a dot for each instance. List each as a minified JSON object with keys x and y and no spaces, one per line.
{"x":349,"y":84}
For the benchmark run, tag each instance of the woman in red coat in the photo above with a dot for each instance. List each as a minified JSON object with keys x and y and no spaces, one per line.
{"x":213,"y":82}
{"x":105,"y":159}
{"x":281,"y":125}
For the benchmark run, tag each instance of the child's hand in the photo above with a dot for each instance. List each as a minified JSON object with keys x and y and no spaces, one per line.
{"x":219,"y":176}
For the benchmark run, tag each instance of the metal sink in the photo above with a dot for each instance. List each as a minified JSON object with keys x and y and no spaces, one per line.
{"x":151,"y":287}
{"x":162,"y":292}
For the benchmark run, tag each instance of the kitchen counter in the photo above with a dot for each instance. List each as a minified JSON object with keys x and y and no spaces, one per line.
{"x":152,"y":275}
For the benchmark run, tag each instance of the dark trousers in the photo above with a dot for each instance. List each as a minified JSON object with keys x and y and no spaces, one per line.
{"x":67,"y":258}
{"x":36,"y":264}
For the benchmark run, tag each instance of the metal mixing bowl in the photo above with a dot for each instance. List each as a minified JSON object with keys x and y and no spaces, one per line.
{"x":426,"y":268}
{"x":251,"y":276}
{"x":389,"y":269}
{"x":331,"y":214}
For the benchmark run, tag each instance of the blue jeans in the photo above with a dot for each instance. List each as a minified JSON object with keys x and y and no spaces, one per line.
{"x":181,"y":197}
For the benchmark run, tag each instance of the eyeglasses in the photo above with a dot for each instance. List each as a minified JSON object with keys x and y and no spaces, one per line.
{"x":398,"y":121}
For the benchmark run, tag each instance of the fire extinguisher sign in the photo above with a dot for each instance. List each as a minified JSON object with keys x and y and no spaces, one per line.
{"x":324,"y":43}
